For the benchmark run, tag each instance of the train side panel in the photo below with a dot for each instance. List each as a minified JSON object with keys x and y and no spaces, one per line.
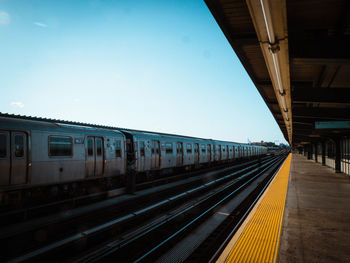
{"x":64,"y":163}
{"x":115,"y":156}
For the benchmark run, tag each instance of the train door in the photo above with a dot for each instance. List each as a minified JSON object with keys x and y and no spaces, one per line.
{"x":155,"y":155}
{"x":94,"y":156}
{"x":209,"y":152}
{"x":5,"y":159}
{"x":141,"y":160}
{"x":13,"y":158}
{"x":228,"y":152}
{"x":215,"y":149}
{"x":196,"y":153}
{"x":179,"y":154}
{"x":220,"y":153}
{"x":18,"y":158}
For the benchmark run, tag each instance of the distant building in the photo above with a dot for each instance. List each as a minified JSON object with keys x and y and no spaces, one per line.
{"x":262,"y":143}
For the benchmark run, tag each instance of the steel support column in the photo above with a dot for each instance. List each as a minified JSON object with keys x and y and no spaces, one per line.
{"x":309,"y":152}
{"x":315,"y":151}
{"x":337,"y":155}
{"x":323,"y":153}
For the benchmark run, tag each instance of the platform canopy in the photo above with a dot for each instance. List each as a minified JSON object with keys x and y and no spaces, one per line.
{"x":297,"y":53}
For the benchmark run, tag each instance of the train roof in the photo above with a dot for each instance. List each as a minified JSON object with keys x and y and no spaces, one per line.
{"x":55,"y":123}
{"x":28,"y":122}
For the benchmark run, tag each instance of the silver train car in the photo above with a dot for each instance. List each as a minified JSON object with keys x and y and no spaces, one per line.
{"x":158,"y":151}
{"x":41,"y":152}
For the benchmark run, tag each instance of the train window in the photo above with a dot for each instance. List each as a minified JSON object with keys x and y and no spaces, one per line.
{"x":118,"y":151}
{"x":155,"y":147}
{"x":230,"y":149}
{"x":19,"y":146}
{"x":3,"y":150}
{"x":203,"y":148}
{"x":169,"y":148}
{"x":61,"y":146}
{"x":90,"y":145}
{"x":179,"y":148}
{"x":98,"y":147}
{"x":223,"y":149}
{"x":142,"y":148}
{"x":189,"y":148}
{"x":196,"y":150}
{"x":208,"y":146}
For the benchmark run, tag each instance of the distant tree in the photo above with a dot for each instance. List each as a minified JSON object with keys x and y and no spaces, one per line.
{"x":271,"y":144}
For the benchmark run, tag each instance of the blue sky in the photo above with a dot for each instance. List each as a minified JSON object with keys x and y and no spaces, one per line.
{"x":151,"y":65}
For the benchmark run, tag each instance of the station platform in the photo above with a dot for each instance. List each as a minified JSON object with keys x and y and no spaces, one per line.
{"x":303,"y":216}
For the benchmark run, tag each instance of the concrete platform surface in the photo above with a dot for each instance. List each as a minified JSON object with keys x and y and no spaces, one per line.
{"x":316,"y":226}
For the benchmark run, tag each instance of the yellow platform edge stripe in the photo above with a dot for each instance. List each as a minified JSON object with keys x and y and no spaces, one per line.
{"x":258,"y":238}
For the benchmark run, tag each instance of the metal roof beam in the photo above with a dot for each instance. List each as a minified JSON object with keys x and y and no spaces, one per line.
{"x":321,"y":113}
{"x":320,"y":61}
{"x":319,"y":95}
{"x":320,"y":50}
{"x":326,"y":78}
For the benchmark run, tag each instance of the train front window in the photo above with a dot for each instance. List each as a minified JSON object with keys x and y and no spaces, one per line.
{"x":3,"y":150}
{"x":19,"y":146}
{"x":60,"y":146}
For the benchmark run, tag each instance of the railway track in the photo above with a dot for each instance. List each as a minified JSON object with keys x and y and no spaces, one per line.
{"x":185,"y":233}
{"x":26,"y":211}
{"x":109,"y":230}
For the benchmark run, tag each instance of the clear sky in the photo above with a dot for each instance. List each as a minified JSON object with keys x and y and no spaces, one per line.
{"x":152,"y":65}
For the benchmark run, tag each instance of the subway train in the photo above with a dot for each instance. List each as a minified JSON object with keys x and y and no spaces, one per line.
{"x":44,"y":152}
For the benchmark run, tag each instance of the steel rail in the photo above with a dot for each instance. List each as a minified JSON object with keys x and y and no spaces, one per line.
{"x":114,"y":245}
{"x":31,"y":212}
{"x":190,"y":224}
{"x":91,"y":231}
